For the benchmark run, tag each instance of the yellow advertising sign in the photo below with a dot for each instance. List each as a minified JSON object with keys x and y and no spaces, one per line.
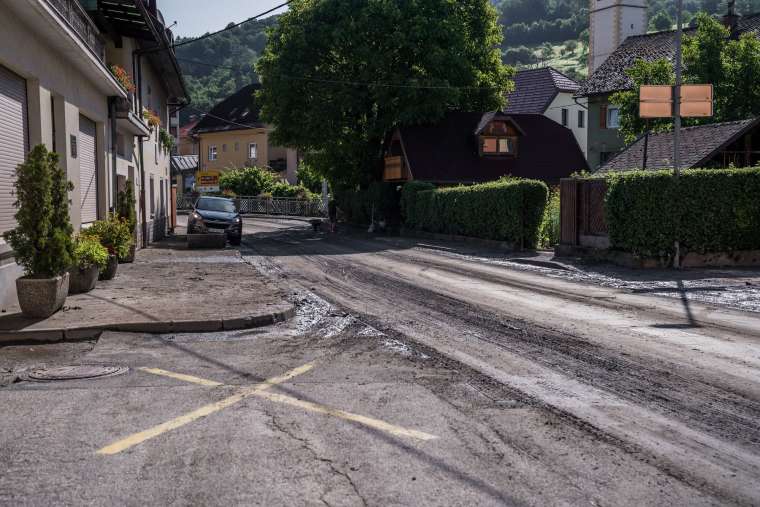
{"x":207,"y":181}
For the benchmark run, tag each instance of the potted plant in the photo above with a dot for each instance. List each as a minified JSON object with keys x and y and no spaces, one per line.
{"x":89,"y":258}
{"x":42,"y":239}
{"x":125,"y":207}
{"x":114,"y":234}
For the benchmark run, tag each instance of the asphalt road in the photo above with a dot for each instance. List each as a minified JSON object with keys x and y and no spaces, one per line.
{"x":412,"y":375}
{"x":670,"y":383}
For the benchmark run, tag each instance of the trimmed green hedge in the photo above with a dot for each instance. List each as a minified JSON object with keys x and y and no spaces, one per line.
{"x":506,"y":210}
{"x":706,"y":210}
{"x":357,"y":205}
{"x":409,"y":196}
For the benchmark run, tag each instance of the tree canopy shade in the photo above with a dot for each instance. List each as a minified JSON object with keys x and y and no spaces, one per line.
{"x":338,"y":75}
{"x":709,"y":56}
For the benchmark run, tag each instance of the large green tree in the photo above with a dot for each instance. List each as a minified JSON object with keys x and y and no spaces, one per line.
{"x":709,"y":56}
{"x":338,"y":75}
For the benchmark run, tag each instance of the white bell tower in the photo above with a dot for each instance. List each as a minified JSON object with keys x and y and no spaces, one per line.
{"x":611,"y":22}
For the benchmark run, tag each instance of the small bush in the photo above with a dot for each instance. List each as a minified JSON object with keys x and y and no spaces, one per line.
{"x":249,"y":181}
{"x":42,"y":240}
{"x":89,"y":252}
{"x":706,"y":210}
{"x":125,"y":205}
{"x":506,"y":210}
{"x":113,"y":233}
{"x":550,"y":226}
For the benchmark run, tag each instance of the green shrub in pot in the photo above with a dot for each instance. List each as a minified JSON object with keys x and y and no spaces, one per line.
{"x":114,"y":233}
{"x":90,"y":257}
{"x":41,"y":240}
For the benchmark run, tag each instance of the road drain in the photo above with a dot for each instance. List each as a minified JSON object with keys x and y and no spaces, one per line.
{"x":84,"y":371}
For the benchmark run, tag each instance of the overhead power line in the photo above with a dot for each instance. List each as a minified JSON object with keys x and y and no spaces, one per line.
{"x":233,"y":26}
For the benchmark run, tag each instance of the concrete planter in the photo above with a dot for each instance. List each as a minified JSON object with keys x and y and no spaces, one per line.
{"x":42,"y":297}
{"x":130,"y":257}
{"x":215,"y":240}
{"x":82,"y":280}
{"x":110,"y":270}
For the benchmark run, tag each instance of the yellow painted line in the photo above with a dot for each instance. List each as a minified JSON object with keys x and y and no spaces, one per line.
{"x":348,"y":416}
{"x":204,"y":411}
{"x":181,"y":376}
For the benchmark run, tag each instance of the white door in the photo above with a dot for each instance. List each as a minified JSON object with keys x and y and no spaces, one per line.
{"x":14,"y":141}
{"x":88,"y":170}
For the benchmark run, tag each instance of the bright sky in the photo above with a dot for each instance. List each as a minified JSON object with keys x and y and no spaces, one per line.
{"x":196,"y":17}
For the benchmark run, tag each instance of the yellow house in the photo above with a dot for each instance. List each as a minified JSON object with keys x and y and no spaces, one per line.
{"x":232,"y":136}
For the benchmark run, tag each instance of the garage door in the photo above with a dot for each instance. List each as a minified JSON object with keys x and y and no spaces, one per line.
{"x":88,"y":170}
{"x":14,"y":141}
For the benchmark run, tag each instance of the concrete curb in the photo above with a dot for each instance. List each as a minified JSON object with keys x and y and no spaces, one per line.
{"x":55,"y":335}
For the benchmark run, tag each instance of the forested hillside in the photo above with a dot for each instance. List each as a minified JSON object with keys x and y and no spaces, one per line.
{"x":536,"y":33}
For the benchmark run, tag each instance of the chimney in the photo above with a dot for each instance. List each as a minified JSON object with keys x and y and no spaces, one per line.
{"x":731,"y":20}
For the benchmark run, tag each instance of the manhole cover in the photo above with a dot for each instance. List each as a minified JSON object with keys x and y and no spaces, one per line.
{"x":85,"y":371}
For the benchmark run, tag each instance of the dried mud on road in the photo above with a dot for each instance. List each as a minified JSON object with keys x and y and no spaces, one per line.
{"x":681,"y":395}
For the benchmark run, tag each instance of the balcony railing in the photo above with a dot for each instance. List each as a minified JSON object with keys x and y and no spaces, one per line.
{"x":72,"y":13}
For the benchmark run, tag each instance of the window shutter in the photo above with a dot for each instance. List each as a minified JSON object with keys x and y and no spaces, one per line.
{"x":603,"y":116}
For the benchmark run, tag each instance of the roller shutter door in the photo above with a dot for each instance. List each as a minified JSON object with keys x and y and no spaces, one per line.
{"x":14,"y":140}
{"x":88,"y":170}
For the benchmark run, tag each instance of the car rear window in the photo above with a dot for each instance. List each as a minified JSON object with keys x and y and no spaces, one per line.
{"x":216,"y":205}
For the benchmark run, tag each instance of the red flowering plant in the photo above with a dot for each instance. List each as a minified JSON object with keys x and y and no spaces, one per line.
{"x":151,"y":117}
{"x":123,"y":77}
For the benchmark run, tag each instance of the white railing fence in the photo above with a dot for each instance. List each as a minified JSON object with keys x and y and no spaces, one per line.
{"x":285,"y":206}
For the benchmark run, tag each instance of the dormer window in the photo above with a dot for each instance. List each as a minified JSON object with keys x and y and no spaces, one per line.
{"x":498,"y":145}
{"x":497,"y":137}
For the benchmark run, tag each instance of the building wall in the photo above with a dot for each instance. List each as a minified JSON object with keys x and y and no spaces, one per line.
{"x":227,"y":156}
{"x":600,"y":140}
{"x":56,"y":88}
{"x":565,"y":101}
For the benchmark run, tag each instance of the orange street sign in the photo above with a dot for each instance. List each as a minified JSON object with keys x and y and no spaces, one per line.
{"x":656,"y":101}
{"x":656,"y":93}
{"x":696,"y":101}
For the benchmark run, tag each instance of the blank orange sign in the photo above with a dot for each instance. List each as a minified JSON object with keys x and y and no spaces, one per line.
{"x":656,"y":101}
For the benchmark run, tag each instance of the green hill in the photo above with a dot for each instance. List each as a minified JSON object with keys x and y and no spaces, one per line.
{"x":536,"y":33}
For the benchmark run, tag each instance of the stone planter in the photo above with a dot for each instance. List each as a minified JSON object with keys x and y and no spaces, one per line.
{"x":82,"y":280}
{"x":42,"y":297}
{"x":110,"y":270}
{"x":130,"y":257}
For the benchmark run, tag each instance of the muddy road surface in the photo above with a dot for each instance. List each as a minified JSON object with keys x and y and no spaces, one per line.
{"x":650,"y":399}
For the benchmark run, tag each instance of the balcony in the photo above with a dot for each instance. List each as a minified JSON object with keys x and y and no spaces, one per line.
{"x":395,"y":169}
{"x":127,"y":118}
{"x":74,"y":15}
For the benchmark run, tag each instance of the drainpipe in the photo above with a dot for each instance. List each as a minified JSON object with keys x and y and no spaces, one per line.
{"x":114,"y":147}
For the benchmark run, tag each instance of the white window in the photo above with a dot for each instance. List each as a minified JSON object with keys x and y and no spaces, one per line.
{"x":613,"y":117}
{"x":564,"y":117}
{"x":212,"y":152}
{"x":253,"y":151}
{"x":581,"y":119}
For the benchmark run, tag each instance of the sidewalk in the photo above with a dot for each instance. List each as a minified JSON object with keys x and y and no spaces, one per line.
{"x":167,"y":289}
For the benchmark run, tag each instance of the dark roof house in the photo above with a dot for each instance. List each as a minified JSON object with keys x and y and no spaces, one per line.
{"x":535,"y":89}
{"x":477,"y":147}
{"x":713,"y":145}
{"x":611,"y":77}
{"x":238,"y":111}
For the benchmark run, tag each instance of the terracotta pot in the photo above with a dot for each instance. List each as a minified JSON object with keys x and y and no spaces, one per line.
{"x":130,"y":257}
{"x":110,"y":270}
{"x":82,"y":280}
{"x":42,"y":297}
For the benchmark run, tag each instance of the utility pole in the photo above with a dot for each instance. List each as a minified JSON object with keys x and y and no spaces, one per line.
{"x":677,"y":93}
{"x":677,"y":117}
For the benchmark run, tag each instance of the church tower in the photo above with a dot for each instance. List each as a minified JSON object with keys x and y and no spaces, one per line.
{"x":611,"y":22}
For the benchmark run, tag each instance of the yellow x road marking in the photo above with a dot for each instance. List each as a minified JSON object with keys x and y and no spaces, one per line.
{"x":255,"y":390}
